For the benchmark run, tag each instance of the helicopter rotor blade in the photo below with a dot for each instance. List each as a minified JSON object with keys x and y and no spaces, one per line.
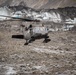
{"x":24,"y":19}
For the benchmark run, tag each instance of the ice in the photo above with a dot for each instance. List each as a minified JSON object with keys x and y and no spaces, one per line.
{"x":4,"y":12}
{"x":71,"y":21}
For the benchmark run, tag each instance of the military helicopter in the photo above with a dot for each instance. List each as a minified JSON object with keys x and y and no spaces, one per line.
{"x":30,"y":33}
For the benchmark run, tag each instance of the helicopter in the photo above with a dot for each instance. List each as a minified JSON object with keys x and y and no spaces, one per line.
{"x":31,"y":32}
{"x":18,"y":18}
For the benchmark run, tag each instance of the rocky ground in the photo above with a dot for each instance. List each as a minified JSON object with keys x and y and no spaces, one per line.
{"x":57,"y":57}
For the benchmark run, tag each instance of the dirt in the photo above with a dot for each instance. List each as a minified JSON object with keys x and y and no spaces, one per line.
{"x":57,"y":57}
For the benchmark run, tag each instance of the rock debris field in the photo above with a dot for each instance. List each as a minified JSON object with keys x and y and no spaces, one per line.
{"x":57,"y":57}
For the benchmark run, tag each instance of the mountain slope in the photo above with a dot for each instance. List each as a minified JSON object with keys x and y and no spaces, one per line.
{"x":46,"y":4}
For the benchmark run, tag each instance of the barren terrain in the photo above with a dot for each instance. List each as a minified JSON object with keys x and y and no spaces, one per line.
{"x":57,"y":57}
{"x":39,"y":4}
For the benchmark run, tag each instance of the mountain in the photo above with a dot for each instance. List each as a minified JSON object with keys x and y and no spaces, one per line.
{"x":40,"y":4}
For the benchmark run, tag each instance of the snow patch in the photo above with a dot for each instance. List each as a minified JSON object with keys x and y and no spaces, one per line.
{"x":41,"y":68}
{"x":10,"y":70}
{"x":37,"y":67}
{"x":46,"y":50}
{"x":4,"y":11}
{"x":71,"y":21}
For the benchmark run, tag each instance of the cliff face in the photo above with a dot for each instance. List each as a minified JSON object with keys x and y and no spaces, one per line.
{"x":36,"y":4}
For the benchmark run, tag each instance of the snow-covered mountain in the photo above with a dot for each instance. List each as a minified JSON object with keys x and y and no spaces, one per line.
{"x":59,"y":15}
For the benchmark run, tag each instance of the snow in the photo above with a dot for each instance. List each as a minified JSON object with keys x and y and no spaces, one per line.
{"x":41,"y":68}
{"x":10,"y":70}
{"x":46,"y":50}
{"x":37,"y":67}
{"x":43,"y":16}
{"x":55,"y":17}
{"x":70,"y":21}
{"x":4,"y":11}
{"x":17,"y":14}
